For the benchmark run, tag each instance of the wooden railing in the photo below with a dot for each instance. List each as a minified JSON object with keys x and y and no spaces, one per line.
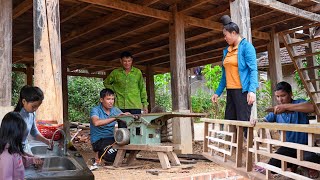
{"x":219,"y":146}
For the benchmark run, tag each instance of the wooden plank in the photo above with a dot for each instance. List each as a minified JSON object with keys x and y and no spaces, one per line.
{"x":131,"y":8}
{"x":229,"y":122}
{"x":289,"y":145}
{"x":230,"y":165}
{"x":164,"y":160}
{"x":173,"y":158}
{"x":21,"y":8}
{"x":86,"y":75}
{"x":222,"y":141}
{"x":219,"y":150}
{"x":182,"y":126}
{"x":96,"y":24}
{"x":119,"y":158}
{"x":74,"y":11}
{"x":222,"y":132}
{"x":279,"y":171}
{"x":206,"y":133}
{"x":249,"y":163}
{"x":285,"y":8}
{"x":185,"y":6}
{"x":5,"y":52}
{"x":145,"y":148}
{"x":111,"y":36}
{"x":288,"y":159}
{"x":275,"y":67}
{"x":163,"y":15}
{"x":47,"y":59}
{"x":239,"y":146}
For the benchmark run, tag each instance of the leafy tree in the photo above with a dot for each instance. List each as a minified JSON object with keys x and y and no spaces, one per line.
{"x":162,"y":91}
{"x":83,"y":94}
{"x":18,"y":81}
{"x":212,"y":76}
{"x":264,"y":98}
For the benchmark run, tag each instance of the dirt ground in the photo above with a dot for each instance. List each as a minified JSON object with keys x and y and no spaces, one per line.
{"x":82,"y":143}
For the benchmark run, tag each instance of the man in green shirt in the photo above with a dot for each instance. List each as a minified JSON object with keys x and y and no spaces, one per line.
{"x":128,"y":84}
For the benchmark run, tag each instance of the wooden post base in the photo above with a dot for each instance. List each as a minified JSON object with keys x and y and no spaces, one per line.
{"x":165,"y":154}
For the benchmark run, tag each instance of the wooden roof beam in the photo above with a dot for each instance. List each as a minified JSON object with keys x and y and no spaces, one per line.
{"x":100,"y":22}
{"x":22,"y":8}
{"x":104,"y":64}
{"x":111,"y":36}
{"x":164,"y":15}
{"x":118,"y":48}
{"x":187,"y":5}
{"x":96,"y":24}
{"x":132,"y":8}
{"x":288,"y":9}
{"x":66,"y":15}
{"x":74,"y":11}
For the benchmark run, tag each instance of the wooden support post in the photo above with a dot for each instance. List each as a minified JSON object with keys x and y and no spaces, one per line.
{"x":47,"y":58}
{"x":239,"y":146}
{"x":249,"y":145}
{"x":240,"y":14}
{"x":150,"y":88}
{"x":5,"y":57}
{"x":5,"y":52}
{"x":283,"y":139}
{"x":206,"y":133}
{"x":181,"y":126}
{"x":119,"y":157}
{"x":173,"y":158}
{"x":275,"y":67}
{"x":164,"y":160}
{"x":29,"y":74}
{"x":66,"y":127}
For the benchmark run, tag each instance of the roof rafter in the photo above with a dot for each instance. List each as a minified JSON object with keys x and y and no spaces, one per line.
{"x":164,"y":15}
{"x":22,"y":8}
{"x":288,"y":9}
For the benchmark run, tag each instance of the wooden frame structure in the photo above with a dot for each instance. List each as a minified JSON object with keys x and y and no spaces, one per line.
{"x":212,"y":146}
{"x":164,"y":36}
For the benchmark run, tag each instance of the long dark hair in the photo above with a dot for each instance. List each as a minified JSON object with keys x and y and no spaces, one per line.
{"x":228,"y":25}
{"x":30,"y":94}
{"x":11,"y":132}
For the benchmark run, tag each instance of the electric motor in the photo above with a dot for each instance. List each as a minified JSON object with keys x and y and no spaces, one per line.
{"x":122,"y":136}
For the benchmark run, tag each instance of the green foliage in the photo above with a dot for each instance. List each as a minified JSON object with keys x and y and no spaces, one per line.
{"x":212,"y":76}
{"x":83,"y":95}
{"x":162,"y":91}
{"x":18,"y":81}
{"x":201,"y":103}
{"x":264,"y":98}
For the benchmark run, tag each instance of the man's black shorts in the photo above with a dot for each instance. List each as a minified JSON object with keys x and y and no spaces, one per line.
{"x":101,"y":145}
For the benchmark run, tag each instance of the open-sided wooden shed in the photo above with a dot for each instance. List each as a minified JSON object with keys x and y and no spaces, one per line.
{"x":163,"y":35}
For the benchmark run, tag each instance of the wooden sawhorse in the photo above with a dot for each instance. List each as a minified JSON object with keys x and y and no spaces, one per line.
{"x":165,"y":153}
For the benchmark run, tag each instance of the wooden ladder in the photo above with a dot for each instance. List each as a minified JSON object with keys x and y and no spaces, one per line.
{"x":305,"y":57}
